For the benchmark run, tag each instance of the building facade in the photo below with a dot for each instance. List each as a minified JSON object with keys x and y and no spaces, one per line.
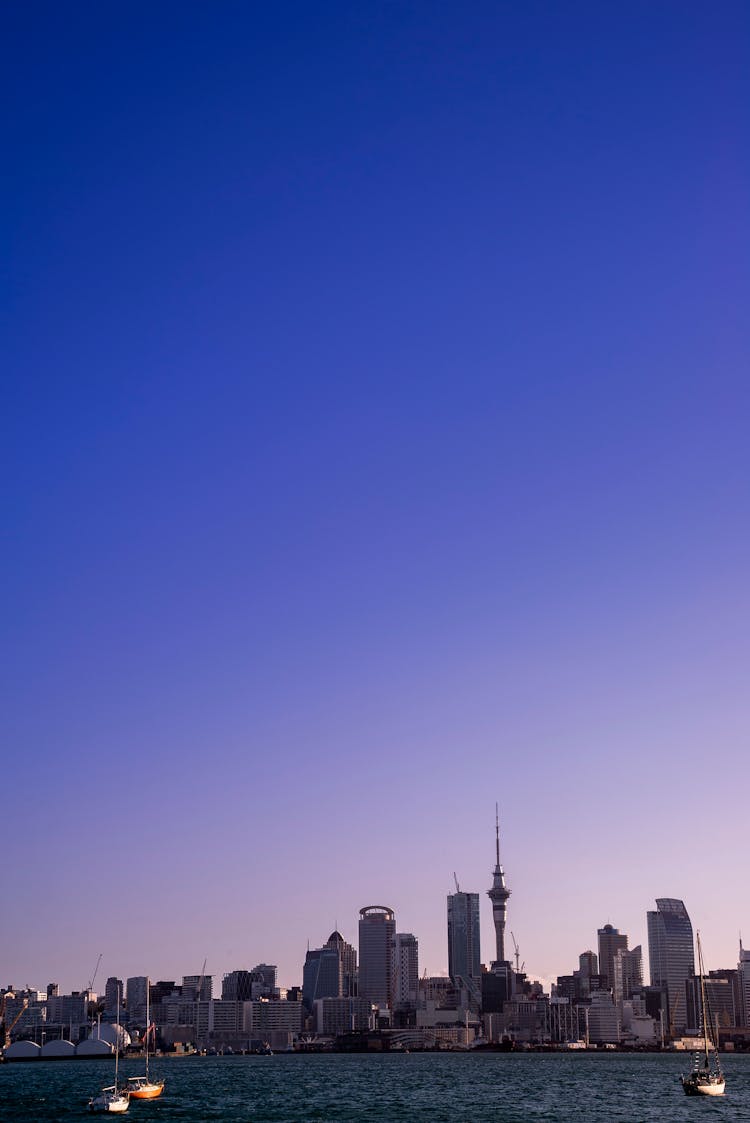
{"x":377,"y":928}
{"x":464,"y":957}
{"x":610,"y":941}
{"x":405,"y":971}
{"x":671,"y":956}
{"x":628,"y":973}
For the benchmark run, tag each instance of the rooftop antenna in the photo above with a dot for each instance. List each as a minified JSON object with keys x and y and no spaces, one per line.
{"x":497,"y":835}
{"x":458,"y":888}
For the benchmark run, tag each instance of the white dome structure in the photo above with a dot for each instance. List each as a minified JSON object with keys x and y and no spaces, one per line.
{"x":93,"y":1047}
{"x":109,"y":1032}
{"x":23,"y":1051}
{"x":58,"y":1048}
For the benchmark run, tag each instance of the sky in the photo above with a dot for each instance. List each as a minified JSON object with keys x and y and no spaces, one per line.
{"x":374,"y":440}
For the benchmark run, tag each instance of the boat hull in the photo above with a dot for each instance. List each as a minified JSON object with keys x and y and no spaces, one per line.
{"x":703,"y":1087}
{"x":147,"y":1091}
{"x":116,"y":1105}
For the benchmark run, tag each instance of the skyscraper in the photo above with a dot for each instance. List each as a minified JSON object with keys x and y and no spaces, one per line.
{"x":671,"y":955}
{"x":377,"y":927}
{"x":348,"y":956}
{"x":405,"y":971}
{"x":628,"y":973}
{"x":610,"y":941}
{"x":237,"y":986}
{"x":743,"y":973}
{"x":321,"y":975}
{"x":464,"y":958}
{"x":137,"y":997}
{"x":498,"y":894}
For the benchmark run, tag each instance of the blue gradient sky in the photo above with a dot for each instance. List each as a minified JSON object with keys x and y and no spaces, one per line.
{"x":375,"y":448}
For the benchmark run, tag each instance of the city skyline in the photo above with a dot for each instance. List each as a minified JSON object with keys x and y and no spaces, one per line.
{"x":608,"y":937}
{"x":375,"y":434}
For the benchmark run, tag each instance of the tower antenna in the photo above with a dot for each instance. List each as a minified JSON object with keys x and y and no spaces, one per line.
{"x":497,"y":835}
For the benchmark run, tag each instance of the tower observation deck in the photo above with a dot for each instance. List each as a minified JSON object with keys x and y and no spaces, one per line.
{"x":499,"y":894}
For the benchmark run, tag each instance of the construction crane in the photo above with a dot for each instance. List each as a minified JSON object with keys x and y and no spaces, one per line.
{"x":90,"y":987}
{"x":199,"y":991}
{"x":8,"y":1029}
{"x":458,"y":887}
{"x":517,"y":955}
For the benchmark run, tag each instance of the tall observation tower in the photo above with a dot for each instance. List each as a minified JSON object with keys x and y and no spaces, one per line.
{"x":498,"y":894}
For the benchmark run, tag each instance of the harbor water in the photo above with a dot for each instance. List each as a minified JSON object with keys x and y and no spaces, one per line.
{"x":390,"y":1088}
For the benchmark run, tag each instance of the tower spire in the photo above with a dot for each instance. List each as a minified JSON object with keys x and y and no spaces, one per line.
{"x":498,"y":894}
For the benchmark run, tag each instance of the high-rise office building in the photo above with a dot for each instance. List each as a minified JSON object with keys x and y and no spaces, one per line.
{"x":464,"y":958}
{"x":237,"y":986}
{"x":628,"y":973}
{"x":499,"y":894}
{"x":588,"y":964}
{"x":197,"y":988}
{"x":330,"y":971}
{"x":114,"y":994}
{"x":405,"y":971}
{"x":377,"y":927}
{"x":265,"y":974}
{"x":743,"y":978}
{"x":671,"y":955}
{"x":348,"y":956}
{"x":137,"y":997}
{"x":610,"y":941}
{"x":321,"y":975}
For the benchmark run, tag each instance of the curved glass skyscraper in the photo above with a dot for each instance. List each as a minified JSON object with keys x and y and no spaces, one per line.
{"x":671,"y":955}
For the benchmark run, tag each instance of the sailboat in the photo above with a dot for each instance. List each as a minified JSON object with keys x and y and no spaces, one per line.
{"x":112,"y":1098}
{"x":706,"y":1079}
{"x":142,"y":1087}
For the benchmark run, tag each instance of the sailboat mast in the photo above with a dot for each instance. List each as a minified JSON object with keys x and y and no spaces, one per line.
{"x":117,"y":1037}
{"x":148,"y":1021}
{"x":704,"y":1019}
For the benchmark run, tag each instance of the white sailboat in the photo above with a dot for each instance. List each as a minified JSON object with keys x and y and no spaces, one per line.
{"x":706,"y":1078}
{"x":112,"y":1098}
{"x":141,"y":1087}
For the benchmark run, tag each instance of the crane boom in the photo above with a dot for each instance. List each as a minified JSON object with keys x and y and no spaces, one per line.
{"x":96,"y":972}
{"x":9,"y":1029}
{"x":516,"y":952}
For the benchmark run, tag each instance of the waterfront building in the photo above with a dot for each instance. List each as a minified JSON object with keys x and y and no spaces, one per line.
{"x":603,"y":1019}
{"x":337,"y":1016}
{"x":564,"y":1022}
{"x":671,"y":955}
{"x":377,"y":928}
{"x":263,"y":1019}
{"x":464,"y":956}
{"x":610,"y":941}
{"x":628,"y":973}
{"x":405,"y":971}
{"x":498,"y":894}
